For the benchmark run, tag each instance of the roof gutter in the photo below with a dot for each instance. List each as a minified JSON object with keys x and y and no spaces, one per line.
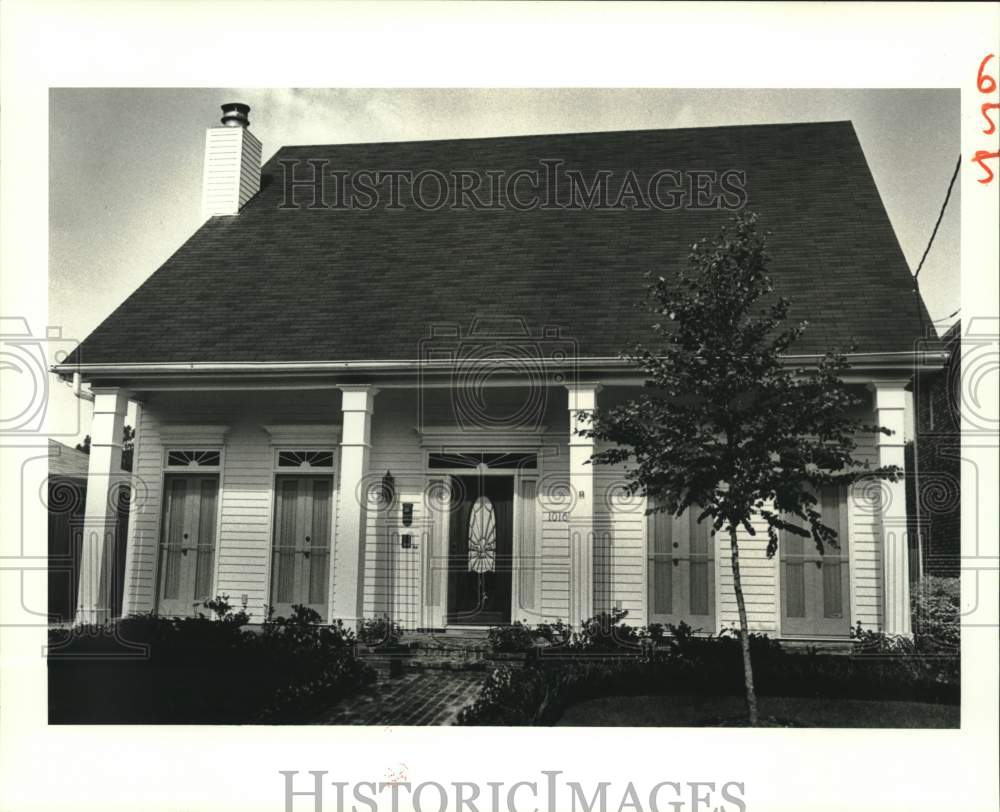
{"x":899,"y":361}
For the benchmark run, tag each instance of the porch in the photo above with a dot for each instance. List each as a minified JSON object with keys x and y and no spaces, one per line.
{"x":356,"y":501}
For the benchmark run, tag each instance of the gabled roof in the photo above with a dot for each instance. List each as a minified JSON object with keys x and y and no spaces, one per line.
{"x":273,"y":284}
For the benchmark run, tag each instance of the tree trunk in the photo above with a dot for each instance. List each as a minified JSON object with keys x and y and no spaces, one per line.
{"x":744,"y":629}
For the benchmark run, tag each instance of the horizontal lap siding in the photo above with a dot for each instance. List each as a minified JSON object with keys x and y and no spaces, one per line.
{"x":865,"y":545}
{"x":244,"y":545}
{"x":619,"y":546}
{"x":393,"y":575}
{"x":243,"y":540}
{"x":553,"y":492}
{"x":144,"y":521}
{"x":758,"y":577}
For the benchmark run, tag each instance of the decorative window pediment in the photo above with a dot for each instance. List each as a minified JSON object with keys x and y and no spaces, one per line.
{"x":193,"y":458}
{"x":305,"y":459}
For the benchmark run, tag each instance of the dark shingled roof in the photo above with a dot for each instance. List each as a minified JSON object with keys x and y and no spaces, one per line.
{"x":274,"y":284}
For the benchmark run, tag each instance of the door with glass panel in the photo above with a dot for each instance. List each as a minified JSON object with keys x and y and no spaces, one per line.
{"x":187,"y":543}
{"x":814,"y":586}
{"x":681,"y":570}
{"x":300,"y":563}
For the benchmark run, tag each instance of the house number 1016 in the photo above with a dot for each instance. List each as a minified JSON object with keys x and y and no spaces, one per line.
{"x":556,"y":516}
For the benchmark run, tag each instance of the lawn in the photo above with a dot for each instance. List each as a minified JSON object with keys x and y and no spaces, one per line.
{"x":710,"y":711}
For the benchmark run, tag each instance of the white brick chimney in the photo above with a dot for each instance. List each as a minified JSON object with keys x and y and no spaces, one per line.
{"x":232,"y":163}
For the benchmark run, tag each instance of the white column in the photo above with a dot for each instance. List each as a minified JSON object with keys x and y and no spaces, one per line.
{"x":582,"y":398}
{"x":890,"y":412}
{"x":100,"y":524}
{"x":348,"y":564}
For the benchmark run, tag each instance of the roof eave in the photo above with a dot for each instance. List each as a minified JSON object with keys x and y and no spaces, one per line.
{"x":874,"y":364}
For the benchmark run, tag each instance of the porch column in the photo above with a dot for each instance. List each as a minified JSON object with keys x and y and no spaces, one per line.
{"x":100,"y":523}
{"x":890,"y":412}
{"x":348,"y":558}
{"x":582,"y":398}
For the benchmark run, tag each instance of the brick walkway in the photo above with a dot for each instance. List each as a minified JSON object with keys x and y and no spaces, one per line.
{"x":420,"y":697}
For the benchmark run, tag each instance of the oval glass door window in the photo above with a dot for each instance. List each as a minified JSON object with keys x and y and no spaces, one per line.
{"x":482,"y":536}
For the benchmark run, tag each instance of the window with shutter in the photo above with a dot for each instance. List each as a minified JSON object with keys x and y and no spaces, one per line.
{"x":300,"y":558}
{"x":815,"y":587}
{"x":187,"y":544}
{"x":680,"y":566}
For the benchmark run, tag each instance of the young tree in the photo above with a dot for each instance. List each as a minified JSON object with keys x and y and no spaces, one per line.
{"x":726,"y":427}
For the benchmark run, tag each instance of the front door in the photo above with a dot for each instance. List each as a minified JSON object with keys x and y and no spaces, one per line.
{"x":480,"y":546}
{"x":187,"y":543}
{"x":681,"y":570}
{"x":814,"y":586}
{"x":300,"y":563}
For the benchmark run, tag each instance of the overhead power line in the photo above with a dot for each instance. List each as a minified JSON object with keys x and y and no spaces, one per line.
{"x":944,"y":205}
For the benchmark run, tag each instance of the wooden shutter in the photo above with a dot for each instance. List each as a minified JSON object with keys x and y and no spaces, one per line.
{"x":173,"y":536}
{"x":660,"y":562}
{"x":286,"y":532}
{"x":700,"y":572}
{"x":300,"y":559}
{"x":205,"y":541}
{"x":815,"y":591}
{"x":187,"y":548}
{"x":318,"y":561}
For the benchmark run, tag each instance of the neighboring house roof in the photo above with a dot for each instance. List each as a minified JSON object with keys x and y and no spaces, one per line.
{"x":274,"y":284}
{"x":67,"y":462}
{"x":952,"y":338}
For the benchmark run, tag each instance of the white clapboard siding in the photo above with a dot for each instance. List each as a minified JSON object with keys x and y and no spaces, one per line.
{"x":232,"y":170}
{"x":554,"y":493}
{"x":619,"y":546}
{"x":865,"y":545}
{"x":398,"y":582}
{"x":243,"y":541}
{"x":144,"y":518}
{"x":758,"y":576}
{"x":245,"y":523}
{"x":392,"y":580}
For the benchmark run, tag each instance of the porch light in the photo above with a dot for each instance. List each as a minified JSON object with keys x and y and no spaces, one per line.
{"x":388,"y":491}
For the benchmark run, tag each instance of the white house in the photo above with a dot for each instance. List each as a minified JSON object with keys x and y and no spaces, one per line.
{"x":368,"y":408}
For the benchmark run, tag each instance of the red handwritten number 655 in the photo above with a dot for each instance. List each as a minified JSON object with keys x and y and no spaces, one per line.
{"x":986,"y":84}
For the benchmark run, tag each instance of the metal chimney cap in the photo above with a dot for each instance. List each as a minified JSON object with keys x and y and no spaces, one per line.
{"x":235,"y":114}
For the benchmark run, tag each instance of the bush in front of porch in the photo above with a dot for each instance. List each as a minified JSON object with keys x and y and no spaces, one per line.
{"x":152,"y":670}
{"x":607,"y":659}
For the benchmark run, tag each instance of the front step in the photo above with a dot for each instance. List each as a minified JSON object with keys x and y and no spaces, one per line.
{"x":465,"y":650}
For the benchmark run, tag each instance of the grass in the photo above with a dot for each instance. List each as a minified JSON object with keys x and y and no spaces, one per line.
{"x":777,"y":711}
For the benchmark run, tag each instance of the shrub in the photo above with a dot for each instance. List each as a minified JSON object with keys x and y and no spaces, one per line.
{"x":555,"y":634}
{"x":379,"y":631}
{"x":515,"y":638}
{"x":197,"y":670}
{"x":606,"y":632}
{"x":937,"y":615}
{"x":509,"y":696}
{"x":681,"y":662}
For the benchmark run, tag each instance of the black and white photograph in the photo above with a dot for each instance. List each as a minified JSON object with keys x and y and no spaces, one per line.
{"x":475,"y":410}
{"x":628,"y":423}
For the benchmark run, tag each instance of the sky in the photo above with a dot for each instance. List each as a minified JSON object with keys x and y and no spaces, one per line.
{"x":125,"y":165}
